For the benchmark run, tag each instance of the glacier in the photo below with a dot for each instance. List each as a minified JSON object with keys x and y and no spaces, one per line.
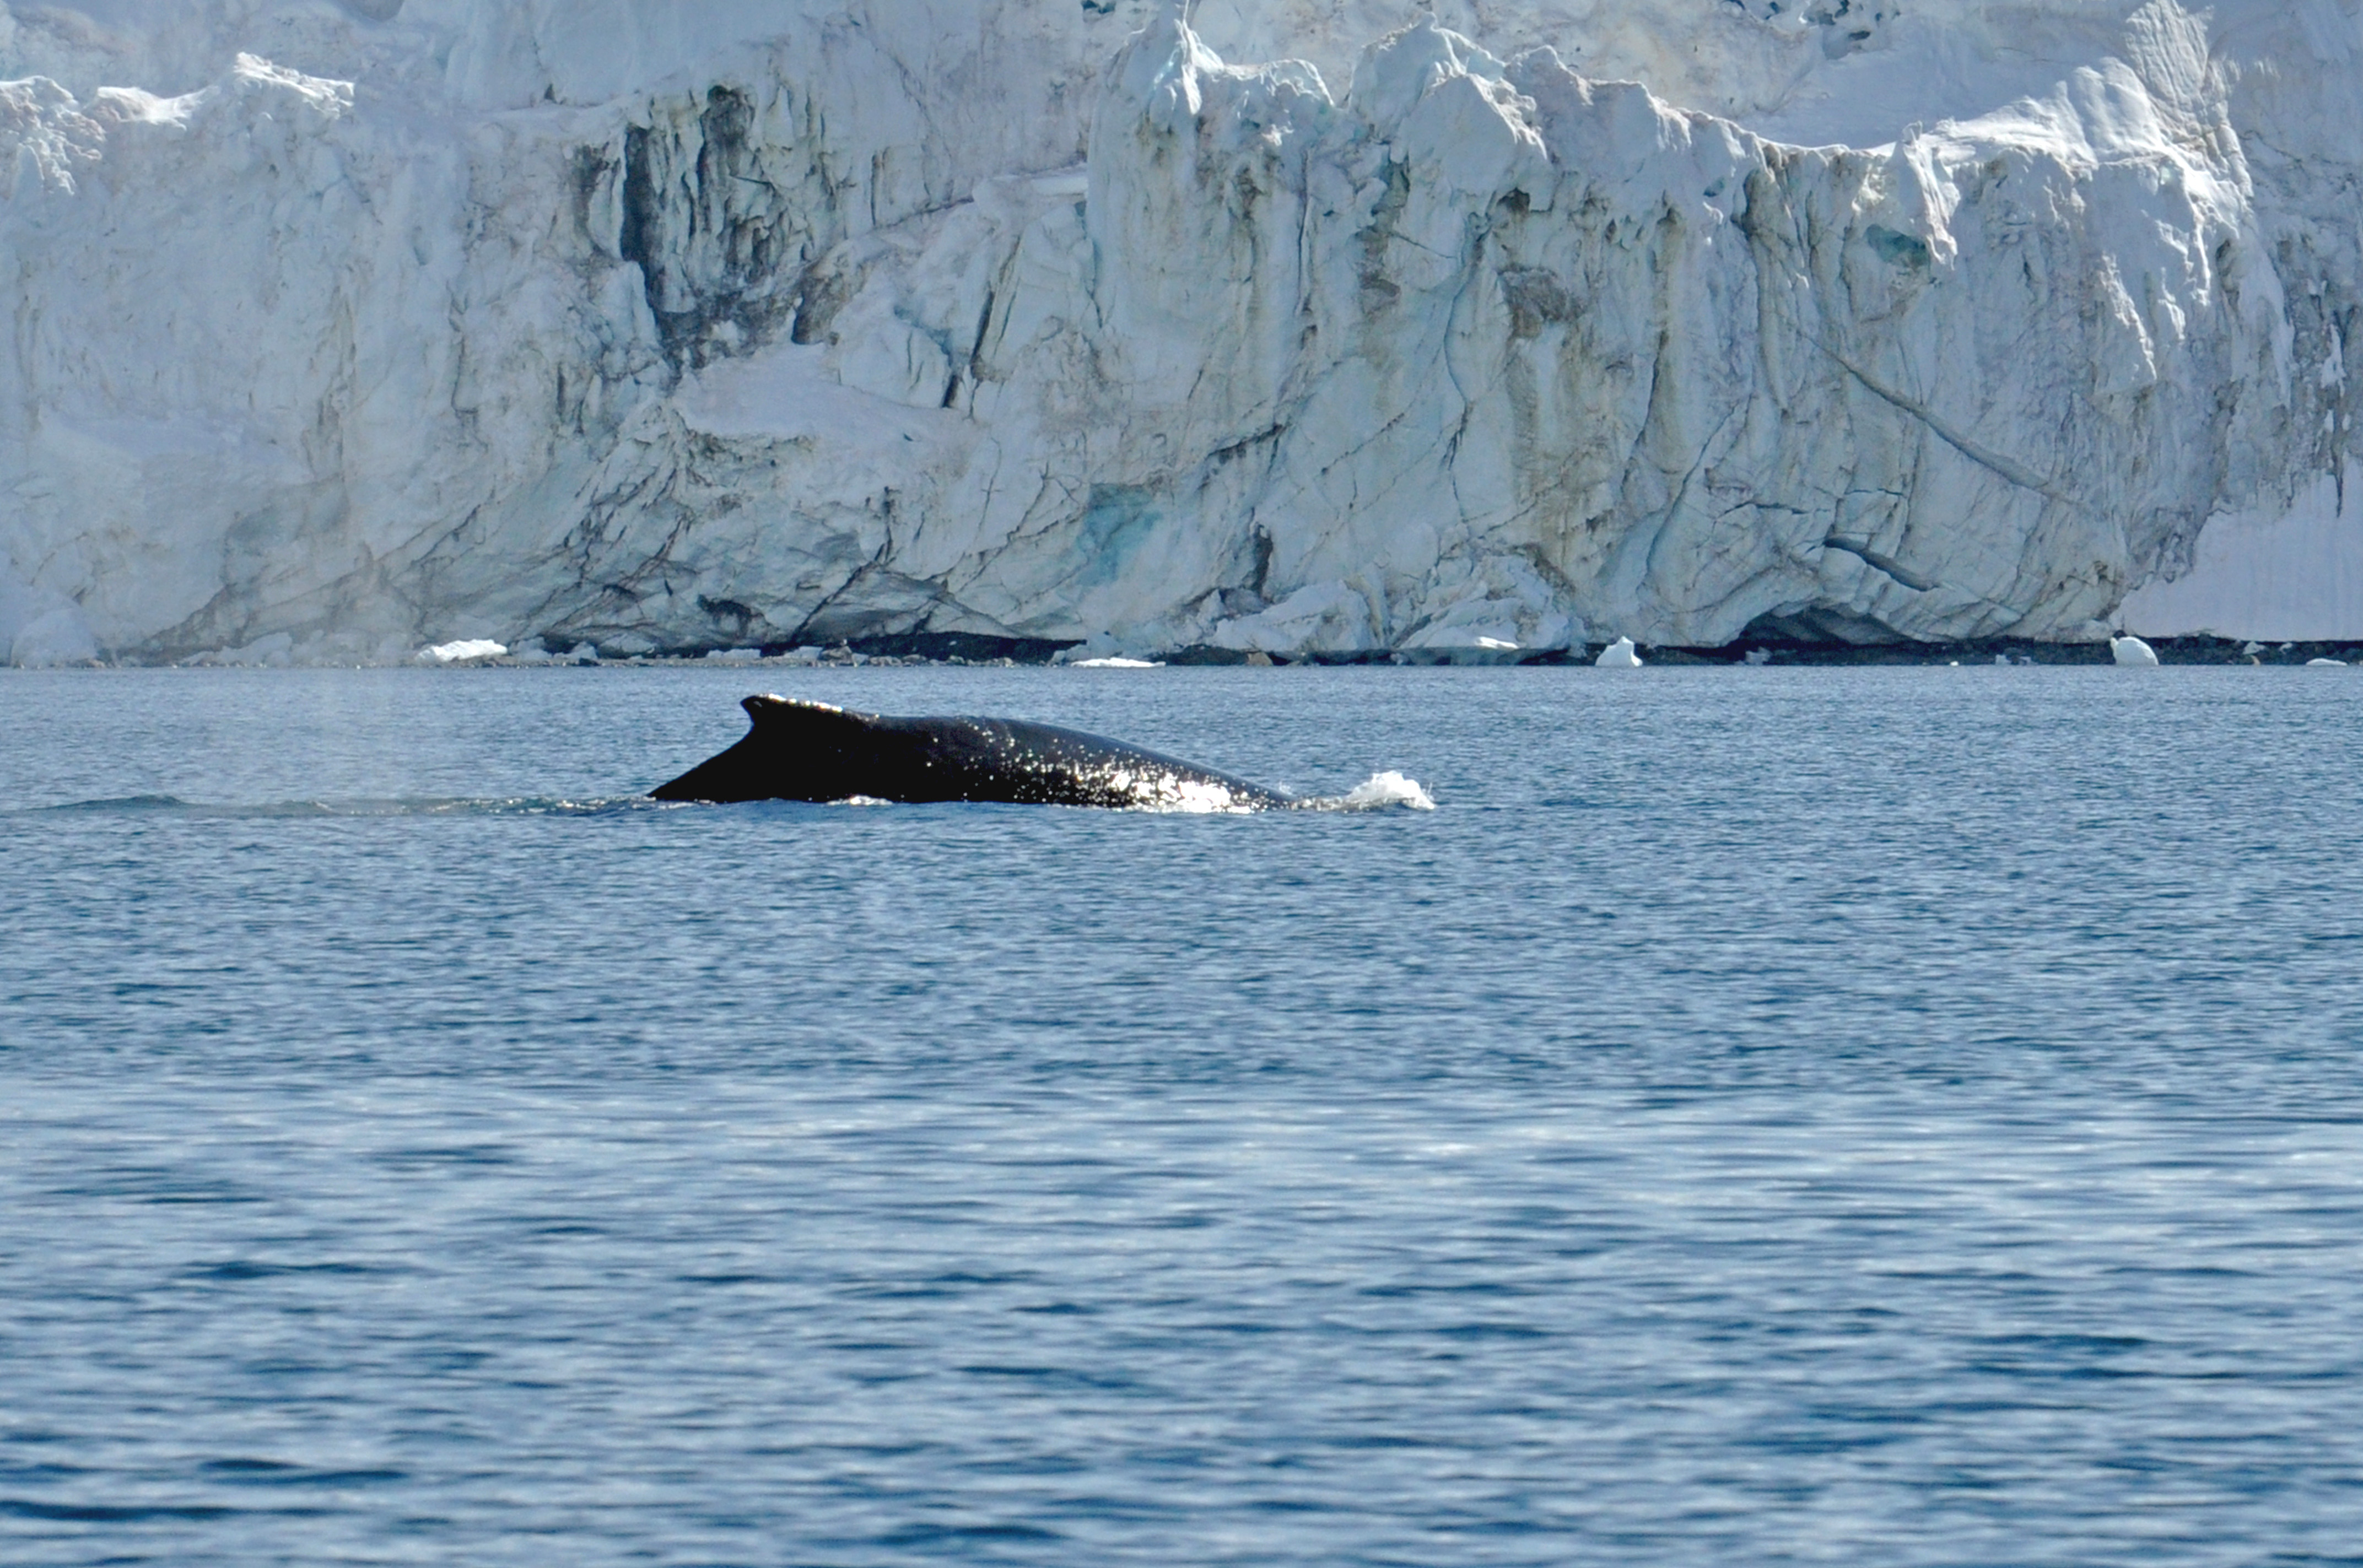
{"x":1333,"y":327}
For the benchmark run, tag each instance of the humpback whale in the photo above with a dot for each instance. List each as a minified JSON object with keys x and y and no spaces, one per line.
{"x":811,"y":751}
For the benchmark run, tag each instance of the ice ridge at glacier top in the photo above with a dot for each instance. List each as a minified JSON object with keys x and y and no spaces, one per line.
{"x":675,"y":325}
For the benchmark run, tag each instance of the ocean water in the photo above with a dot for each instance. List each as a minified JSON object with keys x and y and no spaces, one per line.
{"x":1898,"y":1116}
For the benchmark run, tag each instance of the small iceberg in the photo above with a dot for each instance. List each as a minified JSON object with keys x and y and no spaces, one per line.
{"x":2326,"y":663}
{"x":462,"y":652}
{"x":1117,"y":664}
{"x":2133,"y":653}
{"x":1619,"y":654}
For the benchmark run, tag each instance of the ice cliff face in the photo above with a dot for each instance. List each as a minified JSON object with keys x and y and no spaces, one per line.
{"x":715,"y":322}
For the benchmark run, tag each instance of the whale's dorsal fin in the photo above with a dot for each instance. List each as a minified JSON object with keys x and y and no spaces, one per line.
{"x":768,"y":711}
{"x":792,"y":750}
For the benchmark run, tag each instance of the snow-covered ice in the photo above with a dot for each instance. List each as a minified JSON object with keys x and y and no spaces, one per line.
{"x":464,"y":651}
{"x":1358,"y":326}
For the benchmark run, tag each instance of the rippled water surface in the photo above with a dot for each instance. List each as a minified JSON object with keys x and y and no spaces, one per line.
{"x":1885,"y":1116}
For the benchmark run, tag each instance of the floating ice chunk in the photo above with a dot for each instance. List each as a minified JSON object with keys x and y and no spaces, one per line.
{"x":2133,"y":653}
{"x":461,"y":652}
{"x":1619,"y":654}
{"x":2326,"y":663}
{"x":1117,"y":664}
{"x":2252,"y":648}
{"x":735,"y":656}
{"x":1759,"y":656}
{"x":2002,"y":659}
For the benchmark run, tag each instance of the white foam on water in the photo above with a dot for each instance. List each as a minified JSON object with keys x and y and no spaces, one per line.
{"x":1380,"y":791}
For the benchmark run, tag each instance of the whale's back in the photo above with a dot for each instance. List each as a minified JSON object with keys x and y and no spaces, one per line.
{"x":812,"y":751}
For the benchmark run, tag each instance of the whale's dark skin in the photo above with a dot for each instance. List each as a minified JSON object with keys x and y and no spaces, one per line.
{"x":810,"y":751}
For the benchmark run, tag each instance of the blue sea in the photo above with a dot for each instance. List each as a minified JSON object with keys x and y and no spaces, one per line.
{"x":1881,"y":1116}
